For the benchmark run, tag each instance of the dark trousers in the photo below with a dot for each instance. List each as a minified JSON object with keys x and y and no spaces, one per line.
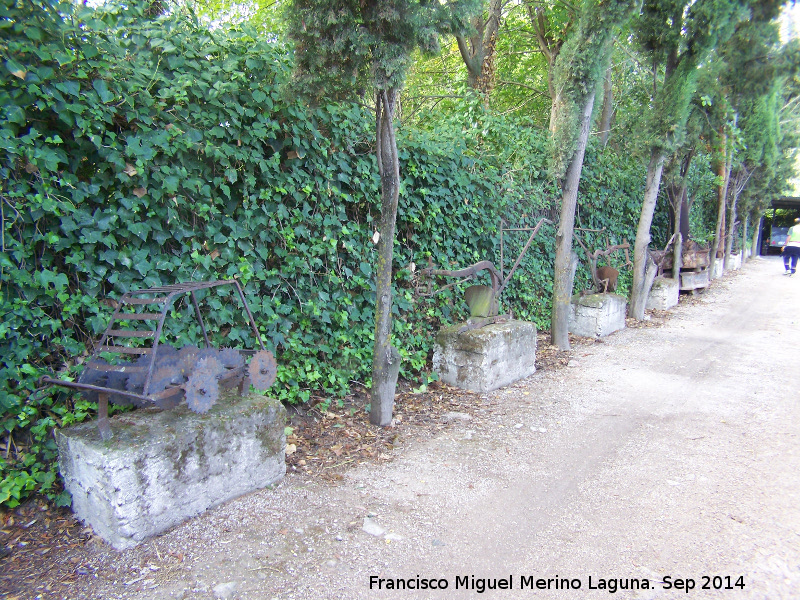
{"x":791,"y":253}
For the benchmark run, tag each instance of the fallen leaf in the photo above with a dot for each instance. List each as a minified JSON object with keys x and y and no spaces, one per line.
{"x":129,"y":170}
{"x":290,"y":449}
{"x":21,"y":74}
{"x":139,"y":192}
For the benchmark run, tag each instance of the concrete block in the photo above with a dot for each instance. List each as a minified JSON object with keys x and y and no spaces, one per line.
{"x":664,"y":294}
{"x":484,"y":359}
{"x":693,"y":280}
{"x":597,"y":315}
{"x":163,"y":467}
{"x":734,"y":262}
{"x":718,"y":270}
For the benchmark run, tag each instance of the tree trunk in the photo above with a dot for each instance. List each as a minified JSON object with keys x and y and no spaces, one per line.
{"x":608,"y":108}
{"x":639,"y":288}
{"x":731,"y":228}
{"x":685,"y":207}
{"x":724,"y":174}
{"x":677,"y":254}
{"x":562,"y":282}
{"x":756,"y":247}
{"x":681,"y":222}
{"x":744,"y":237}
{"x":478,"y":51}
{"x":550,"y":49}
{"x":386,"y":358}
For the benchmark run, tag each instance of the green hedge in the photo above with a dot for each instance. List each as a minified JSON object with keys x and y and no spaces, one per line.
{"x":141,"y":152}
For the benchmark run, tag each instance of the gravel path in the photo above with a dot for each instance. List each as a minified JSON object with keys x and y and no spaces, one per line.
{"x":666,"y":456}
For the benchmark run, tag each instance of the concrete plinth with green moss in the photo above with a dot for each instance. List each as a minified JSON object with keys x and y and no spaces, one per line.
{"x":484,"y":359}
{"x":163,"y":467}
{"x":664,"y":294}
{"x":597,"y":315}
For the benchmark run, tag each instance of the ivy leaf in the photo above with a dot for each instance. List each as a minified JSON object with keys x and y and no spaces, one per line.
{"x":16,"y":69}
{"x":15,"y":114}
{"x":101,"y":87}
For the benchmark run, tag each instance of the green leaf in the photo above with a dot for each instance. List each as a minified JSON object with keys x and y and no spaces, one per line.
{"x":101,"y":87}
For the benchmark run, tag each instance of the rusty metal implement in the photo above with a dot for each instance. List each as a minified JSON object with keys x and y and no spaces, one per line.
{"x":484,"y":301}
{"x":601,"y":276}
{"x":148,"y":372}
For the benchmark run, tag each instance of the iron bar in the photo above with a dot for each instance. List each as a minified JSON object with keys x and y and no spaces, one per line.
{"x":249,"y":314}
{"x":521,"y":254}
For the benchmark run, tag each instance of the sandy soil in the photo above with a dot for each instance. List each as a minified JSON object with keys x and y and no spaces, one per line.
{"x":663,"y":458}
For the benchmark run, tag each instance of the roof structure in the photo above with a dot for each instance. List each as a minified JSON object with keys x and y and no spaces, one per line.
{"x":789,"y":202}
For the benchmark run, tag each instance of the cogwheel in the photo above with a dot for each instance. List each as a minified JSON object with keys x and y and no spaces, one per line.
{"x":93,"y":376}
{"x":143,"y":360}
{"x":165,"y":353}
{"x":207,"y":353}
{"x":168,"y":363}
{"x":116,"y":380}
{"x":230,"y":358}
{"x":187,"y":357}
{"x":262,"y":369}
{"x":163,"y":377}
{"x":187,"y":350}
{"x":119,"y":381}
{"x":210,"y":364}
{"x":202,"y":390}
{"x":135,"y":381}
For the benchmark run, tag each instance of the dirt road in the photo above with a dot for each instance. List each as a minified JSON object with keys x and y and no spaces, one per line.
{"x":663,"y":459}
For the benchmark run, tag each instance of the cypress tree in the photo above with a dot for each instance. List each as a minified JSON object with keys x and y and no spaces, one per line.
{"x":346,"y":49}
{"x":580,"y":65}
{"x":677,"y":36}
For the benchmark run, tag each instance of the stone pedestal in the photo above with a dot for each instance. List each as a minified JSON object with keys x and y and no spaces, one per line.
{"x":597,"y":315}
{"x":694,"y":280}
{"x":162,"y":467}
{"x":664,"y":294}
{"x":734,"y":262}
{"x":484,"y":359}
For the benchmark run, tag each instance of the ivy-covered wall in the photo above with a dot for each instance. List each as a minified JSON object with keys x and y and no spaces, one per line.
{"x":140,"y":152}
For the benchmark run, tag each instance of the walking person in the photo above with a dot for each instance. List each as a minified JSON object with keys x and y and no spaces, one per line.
{"x":791,"y":249}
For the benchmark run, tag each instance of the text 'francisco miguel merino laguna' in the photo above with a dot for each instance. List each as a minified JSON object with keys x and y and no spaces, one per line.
{"x":520,"y":582}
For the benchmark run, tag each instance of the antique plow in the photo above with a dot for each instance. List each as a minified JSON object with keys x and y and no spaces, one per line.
{"x":483,"y":300}
{"x":604,"y":278}
{"x":131,"y":365}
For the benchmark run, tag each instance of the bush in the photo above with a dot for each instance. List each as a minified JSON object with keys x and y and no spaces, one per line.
{"x":141,"y":152}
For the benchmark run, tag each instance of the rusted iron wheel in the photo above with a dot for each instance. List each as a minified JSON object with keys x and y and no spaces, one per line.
{"x":202,"y":390}
{"x":262,"y":370}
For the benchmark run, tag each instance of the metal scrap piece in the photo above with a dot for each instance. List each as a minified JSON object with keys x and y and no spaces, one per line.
{"x":210,"y":364}
{"x":202,"y":390}
{"x":262,"y":369}
{"x":164,"y":377}
{"x":230,"y":358}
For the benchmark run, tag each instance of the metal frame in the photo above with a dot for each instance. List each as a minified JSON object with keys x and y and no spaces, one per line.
{"x":163,"y":296}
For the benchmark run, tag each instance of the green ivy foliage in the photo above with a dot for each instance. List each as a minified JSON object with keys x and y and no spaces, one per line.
{"x":140,"y":152}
